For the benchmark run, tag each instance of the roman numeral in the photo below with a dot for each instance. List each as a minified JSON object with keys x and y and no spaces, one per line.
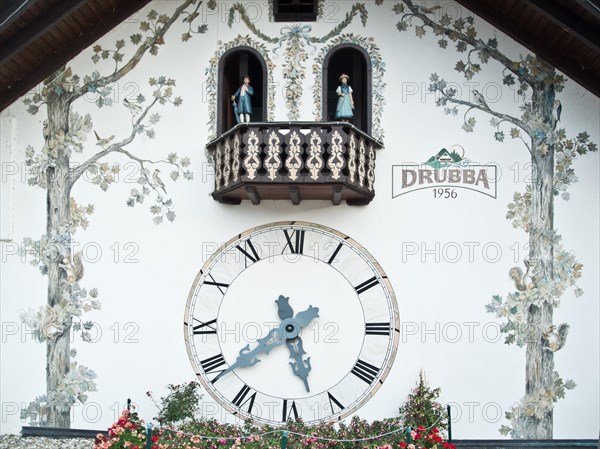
{"x":219,"y":285}
{"x":299,"y":247}
{"x":365,"y":371}
{"x":287,"y":412}
{"x":366,"y":285}
{"x":211,"y":364}
{"x":238,"y":401}
{"x":377,"y":328}
{"x":333,"y":401}
{"x":335,"y":253}
{"x":254,"y":256}
{"x":205,"y":328}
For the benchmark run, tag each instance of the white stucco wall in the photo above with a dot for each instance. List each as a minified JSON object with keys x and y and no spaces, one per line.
{"x":144,"y":271}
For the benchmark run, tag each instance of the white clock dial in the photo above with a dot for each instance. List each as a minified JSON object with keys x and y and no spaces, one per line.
{"x":291,"y":320}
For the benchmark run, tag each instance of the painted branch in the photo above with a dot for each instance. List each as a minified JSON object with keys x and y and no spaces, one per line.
{"x":493,"y":52}
{"x":115,"y":148}
{"x":137,"y":57}
{"x":515,"y":121}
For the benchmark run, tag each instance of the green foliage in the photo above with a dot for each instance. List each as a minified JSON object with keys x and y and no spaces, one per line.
{"x":128,"y":432}
{"x":181,"y":404}
{"x":534,"y":407}
{"x":357,"y":8}
{"x":423,"y":409}
{"x":565,"y":152}
{"x":72,"y":389}
{"x":469,"y":124}
{"x":519,"y":211}
{"x":514,"y":309}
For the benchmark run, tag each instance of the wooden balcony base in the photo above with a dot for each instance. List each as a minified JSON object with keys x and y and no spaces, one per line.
{"x":294,"y":161}
{"x":294,"y":193}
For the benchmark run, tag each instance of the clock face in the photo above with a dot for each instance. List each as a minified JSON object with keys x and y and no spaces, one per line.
{"x":291,"y":320}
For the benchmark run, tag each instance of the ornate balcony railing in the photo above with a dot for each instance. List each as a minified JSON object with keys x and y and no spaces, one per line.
{"x":295,"y":161}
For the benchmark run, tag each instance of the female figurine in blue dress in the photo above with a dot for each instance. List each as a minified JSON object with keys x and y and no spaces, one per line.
{"x":345,"y":103}
{"x":243,"y":108}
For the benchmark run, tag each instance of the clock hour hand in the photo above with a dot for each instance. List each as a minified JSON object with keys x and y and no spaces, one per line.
{"x":248,"y":357}
{"x":306,"y":316}
{"x":300,"y":367}
{"x":284,"y":310}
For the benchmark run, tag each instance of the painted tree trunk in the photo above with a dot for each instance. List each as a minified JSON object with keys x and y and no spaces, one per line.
{"x":58,"y":351}
{"x":539,"y":367}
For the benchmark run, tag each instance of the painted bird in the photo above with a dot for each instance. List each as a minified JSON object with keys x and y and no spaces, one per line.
{"x":191,"y":17}
{"x":557,"y":110}
{"x":479,"y":99}
{"x":157,"y":181}
{"x":103,"y":142}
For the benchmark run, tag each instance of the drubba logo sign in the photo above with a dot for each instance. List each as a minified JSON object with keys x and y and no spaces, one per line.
{"x":445,"y":172}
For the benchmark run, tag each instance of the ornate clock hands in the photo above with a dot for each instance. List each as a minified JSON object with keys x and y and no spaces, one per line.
{"x":300,"y":366}
{"x":288,"y":332}
{"x":285,"y":311}
{"x":248,"y":357}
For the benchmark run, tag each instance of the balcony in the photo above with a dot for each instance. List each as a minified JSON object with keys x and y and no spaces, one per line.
{"x":294,"y":161}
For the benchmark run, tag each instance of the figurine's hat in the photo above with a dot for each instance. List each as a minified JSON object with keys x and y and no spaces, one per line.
{"x":343,"y":75}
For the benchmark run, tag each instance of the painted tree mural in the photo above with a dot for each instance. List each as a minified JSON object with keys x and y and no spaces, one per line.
{"x":549,"y":269}
{"x":52,"y":169}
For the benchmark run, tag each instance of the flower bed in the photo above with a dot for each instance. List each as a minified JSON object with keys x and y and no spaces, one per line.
{"x":130,"y":432}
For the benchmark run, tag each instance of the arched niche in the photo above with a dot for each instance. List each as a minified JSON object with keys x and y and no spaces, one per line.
{"x":233,"y":65}
{"x":354,"y":61}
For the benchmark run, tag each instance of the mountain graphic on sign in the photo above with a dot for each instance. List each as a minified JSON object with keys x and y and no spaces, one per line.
{"x":446,"y":158}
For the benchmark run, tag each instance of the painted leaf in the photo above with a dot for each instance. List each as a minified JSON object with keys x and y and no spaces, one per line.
{"x":398,"y":8}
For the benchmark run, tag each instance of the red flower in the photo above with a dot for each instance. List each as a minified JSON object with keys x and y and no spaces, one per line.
{"x":402,"y":444}
{"x":154,"y":438}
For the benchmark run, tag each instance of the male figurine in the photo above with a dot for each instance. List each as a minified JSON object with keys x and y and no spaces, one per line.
{"x":244,"y":105}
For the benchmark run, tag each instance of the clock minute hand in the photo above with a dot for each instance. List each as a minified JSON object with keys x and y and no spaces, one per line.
{"x":248,"y":357}
{"x":290,"y":329}
{"x":300,"y":367}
